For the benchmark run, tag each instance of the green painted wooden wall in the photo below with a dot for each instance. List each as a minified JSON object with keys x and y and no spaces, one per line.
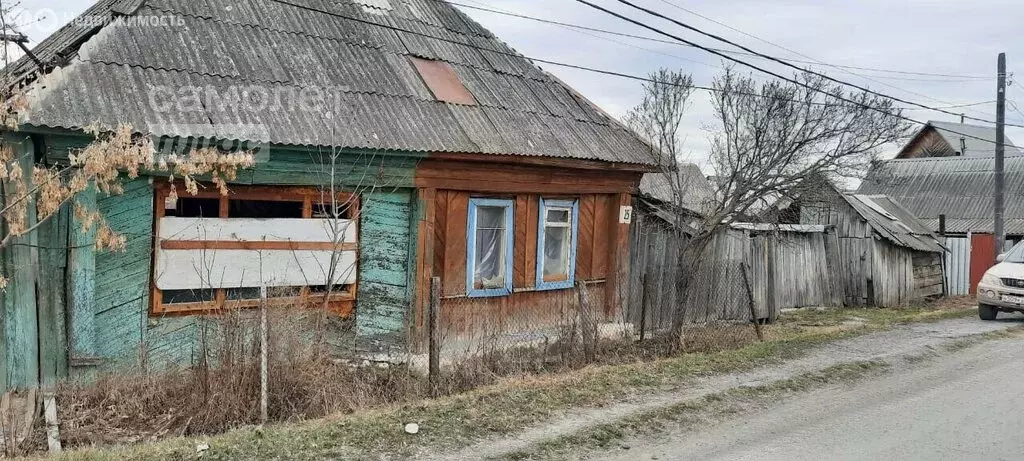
{"x":20,"y":316}
{"x":386,"y":245}
{"x":98,"y":317}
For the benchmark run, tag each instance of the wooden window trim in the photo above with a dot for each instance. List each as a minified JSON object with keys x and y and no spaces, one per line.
{"x":566,"y":280}
{"x":341,"y":303}
{"x":509,"y":205}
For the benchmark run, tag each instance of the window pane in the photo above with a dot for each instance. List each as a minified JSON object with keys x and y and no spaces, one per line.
{"x":558,"y":216}
{"x":191,"y":207}
{"x":556,"y":253}
{"x":490,"y":248}
{"x":339,"y":210}
{"x":188,"y":296}
{"x":264,"y":209}
{"x":490,"y":217}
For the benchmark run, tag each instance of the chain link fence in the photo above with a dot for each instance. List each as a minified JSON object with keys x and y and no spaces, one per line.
{"x":545,"y":331}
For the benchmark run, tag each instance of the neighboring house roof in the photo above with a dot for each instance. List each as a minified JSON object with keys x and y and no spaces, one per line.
{"x":698,"y":192}
{"x":357,"y":53}
{"x":959,"y":187}
{"x":767,"y":227}
{"x":893,"y":222}
{"x":978,"y":141}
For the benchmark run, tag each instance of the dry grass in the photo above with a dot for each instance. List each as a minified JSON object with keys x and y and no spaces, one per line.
{"x":527,"y":384}
{"x":135,"y":408}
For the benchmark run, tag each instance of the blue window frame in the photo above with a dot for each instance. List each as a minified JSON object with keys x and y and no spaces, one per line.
{"x":489,"y":247}
{"x":556,"y":244}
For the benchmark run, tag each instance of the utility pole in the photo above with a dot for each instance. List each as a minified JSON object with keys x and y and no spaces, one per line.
{"x":1000,"y":197}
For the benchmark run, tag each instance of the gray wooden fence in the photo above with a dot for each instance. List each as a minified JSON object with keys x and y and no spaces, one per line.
{"x":789,"y":266}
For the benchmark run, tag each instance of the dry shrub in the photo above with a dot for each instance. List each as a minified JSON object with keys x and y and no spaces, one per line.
{"x":716,"y":337}
{"x":221,"y":392}
{"x":307,"y":379}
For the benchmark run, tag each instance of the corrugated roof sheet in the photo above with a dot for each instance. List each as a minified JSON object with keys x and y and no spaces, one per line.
{"x":978,"y":140}
{"x":765,"y":227}
{"x":697,"y":190}
{"x":959,"y":187}
{"x":343,"y":49}
{"x":893,"y":222}
{"x":963,"y":226}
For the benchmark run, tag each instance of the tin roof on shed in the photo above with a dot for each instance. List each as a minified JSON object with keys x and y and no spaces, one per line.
{"x":311,"y":72}
{"x":698,"y":193}
{"x":893,"y":222}
{"x":959,"y":187}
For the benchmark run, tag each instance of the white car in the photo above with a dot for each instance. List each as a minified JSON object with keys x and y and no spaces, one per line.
{"x":1002,"y":287}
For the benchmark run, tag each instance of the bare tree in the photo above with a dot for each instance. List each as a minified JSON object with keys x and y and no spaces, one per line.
{"x":658,"y":119}
{"x":770,"y":139}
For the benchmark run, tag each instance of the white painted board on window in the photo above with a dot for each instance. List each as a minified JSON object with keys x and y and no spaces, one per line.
{"x":196,"y":269}
{"x":258,"y":230}
{"x":625,"y":215}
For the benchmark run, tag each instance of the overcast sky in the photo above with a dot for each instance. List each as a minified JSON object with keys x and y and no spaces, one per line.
{"x":954,"y":37}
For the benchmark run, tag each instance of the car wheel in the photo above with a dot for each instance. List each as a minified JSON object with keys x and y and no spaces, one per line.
{"x":987,"y":312}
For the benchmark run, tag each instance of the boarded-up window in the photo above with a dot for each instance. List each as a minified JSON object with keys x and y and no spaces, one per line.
{"x":217,"y":251}
{"x":443,"y":82}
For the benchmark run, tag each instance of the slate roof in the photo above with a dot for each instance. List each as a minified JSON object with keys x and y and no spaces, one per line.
{"x":978,"y":140}
{"x":959,"y":187}
{"x":698,"y":191}
{"x":893,"y":222}
{"x":353,"y":52}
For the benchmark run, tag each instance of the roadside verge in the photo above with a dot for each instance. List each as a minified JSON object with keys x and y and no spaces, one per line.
{"x":519,"y":413}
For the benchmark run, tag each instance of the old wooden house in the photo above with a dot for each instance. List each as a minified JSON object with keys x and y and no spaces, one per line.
{"x":456,"y":157}
{"x":946,"y":139}
{"x":953,"y":196}
{"x":886,"y":256}
{"x":787,"y":265}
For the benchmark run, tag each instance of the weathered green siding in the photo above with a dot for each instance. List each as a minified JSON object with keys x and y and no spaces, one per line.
{"x":89,"y":311}
{"x":121,"y":285}
{"x":81,"y":288}
{"x":386,"y":242}
{"x":20,"y":321}
{"x":52,"y":297}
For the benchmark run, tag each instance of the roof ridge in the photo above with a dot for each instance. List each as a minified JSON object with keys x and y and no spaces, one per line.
{"x":953,"y":158}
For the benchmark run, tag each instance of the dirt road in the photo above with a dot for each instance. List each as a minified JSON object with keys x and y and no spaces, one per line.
{"x":829,"y":424}
{"x":966,"y":404}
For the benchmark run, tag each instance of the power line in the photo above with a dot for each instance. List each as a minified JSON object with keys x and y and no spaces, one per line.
{"x":613,"y":73}
{"x":915,"y":93}
{"x":771,"y":58}
{"x":584,"y":30}
{"x":813,"y":60}
{"x":957,"y":106}
{"x":948,"y":78}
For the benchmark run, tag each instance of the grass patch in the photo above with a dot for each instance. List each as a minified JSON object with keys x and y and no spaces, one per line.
{"x":961,"y":344}
{"x":700,"y":411}
{"x":516,"y":403}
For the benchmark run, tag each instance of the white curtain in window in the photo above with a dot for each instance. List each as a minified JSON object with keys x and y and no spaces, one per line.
{"x":490,"y":248}
{"x":557,"y":239}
